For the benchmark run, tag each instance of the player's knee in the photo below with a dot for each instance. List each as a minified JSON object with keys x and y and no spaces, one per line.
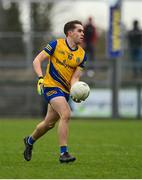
{"x":66,"y":116}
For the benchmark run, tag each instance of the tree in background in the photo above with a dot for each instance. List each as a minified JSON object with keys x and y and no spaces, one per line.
{"x":12,"y":21}
{"x":9,"y":26}
{"x":2,"y":17}
{"x":41,"y":23}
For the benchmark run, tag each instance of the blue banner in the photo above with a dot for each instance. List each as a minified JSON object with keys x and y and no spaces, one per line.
{"x":114,"y":32}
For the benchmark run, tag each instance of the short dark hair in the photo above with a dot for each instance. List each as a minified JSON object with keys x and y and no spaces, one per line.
{"x":70,"y":26}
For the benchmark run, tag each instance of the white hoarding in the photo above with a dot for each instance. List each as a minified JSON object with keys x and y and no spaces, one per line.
{"x":99,"y":104}
{"x":128,"y":103}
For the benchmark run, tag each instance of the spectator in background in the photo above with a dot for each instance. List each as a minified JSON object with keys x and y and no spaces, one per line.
{"x":135,"y":47}
{"x":90,"y":38}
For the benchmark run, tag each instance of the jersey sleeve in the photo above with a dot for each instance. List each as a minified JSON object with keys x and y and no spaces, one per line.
{"x":50,"y":48}
{"x":82,"y":64}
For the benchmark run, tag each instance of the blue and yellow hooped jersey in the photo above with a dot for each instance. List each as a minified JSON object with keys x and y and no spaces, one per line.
{"x":63,"y":62}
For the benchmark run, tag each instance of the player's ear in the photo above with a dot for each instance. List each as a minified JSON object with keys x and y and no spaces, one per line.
{"x":69,"y":33}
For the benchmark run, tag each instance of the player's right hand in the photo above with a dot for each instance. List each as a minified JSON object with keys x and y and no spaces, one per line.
{"x":40,"y":85}
{"x":76,"y":100}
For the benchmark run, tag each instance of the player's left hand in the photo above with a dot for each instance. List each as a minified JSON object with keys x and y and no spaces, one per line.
{"x":76,"y":100}
{"x":40,"y":85}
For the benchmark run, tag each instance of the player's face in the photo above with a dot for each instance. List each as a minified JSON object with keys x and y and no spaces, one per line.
{"x":77,"y":34}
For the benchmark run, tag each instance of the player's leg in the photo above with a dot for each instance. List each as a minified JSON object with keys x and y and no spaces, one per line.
{"x":61,"y":106}
{"x":48,"y":123}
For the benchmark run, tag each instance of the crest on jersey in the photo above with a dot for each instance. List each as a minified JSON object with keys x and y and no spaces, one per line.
{"x":70,"y":56}
{"x":78,"y":60}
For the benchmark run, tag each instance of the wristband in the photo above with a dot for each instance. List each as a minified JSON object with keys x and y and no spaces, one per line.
{"x":40,"y":77}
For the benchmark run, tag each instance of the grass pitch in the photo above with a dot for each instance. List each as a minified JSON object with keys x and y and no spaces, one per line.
{"x":104,"y":149}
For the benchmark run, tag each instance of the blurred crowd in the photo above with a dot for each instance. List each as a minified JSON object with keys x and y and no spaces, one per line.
{"x":134,"y":37}
{"x":90,"y":39}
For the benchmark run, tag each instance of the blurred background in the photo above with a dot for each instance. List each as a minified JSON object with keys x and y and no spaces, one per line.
{"x":113,"y":43}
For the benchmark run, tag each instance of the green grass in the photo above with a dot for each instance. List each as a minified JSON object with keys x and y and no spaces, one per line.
{"x":104,"y":149}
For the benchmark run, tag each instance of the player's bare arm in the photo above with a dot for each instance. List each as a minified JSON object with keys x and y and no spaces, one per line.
{"x":37,"y":63}
{"x":76,"y":76}
{"x":38,"y":70}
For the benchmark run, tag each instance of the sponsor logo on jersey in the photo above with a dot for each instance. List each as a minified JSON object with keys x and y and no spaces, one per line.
{"x":61,"y":52}
{"x":63,"y":63}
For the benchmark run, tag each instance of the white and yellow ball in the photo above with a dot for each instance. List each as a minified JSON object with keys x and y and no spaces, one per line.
{"x":80,"y":90}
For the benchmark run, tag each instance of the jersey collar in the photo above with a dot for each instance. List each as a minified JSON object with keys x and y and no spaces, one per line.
{"x":70,"y":47}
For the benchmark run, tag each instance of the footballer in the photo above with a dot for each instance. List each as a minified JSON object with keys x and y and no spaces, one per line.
{"x":66,"y":62}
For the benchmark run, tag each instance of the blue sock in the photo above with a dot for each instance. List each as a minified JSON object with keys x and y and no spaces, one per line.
{"x":63,"y":149}
{"x":31,"y":140}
